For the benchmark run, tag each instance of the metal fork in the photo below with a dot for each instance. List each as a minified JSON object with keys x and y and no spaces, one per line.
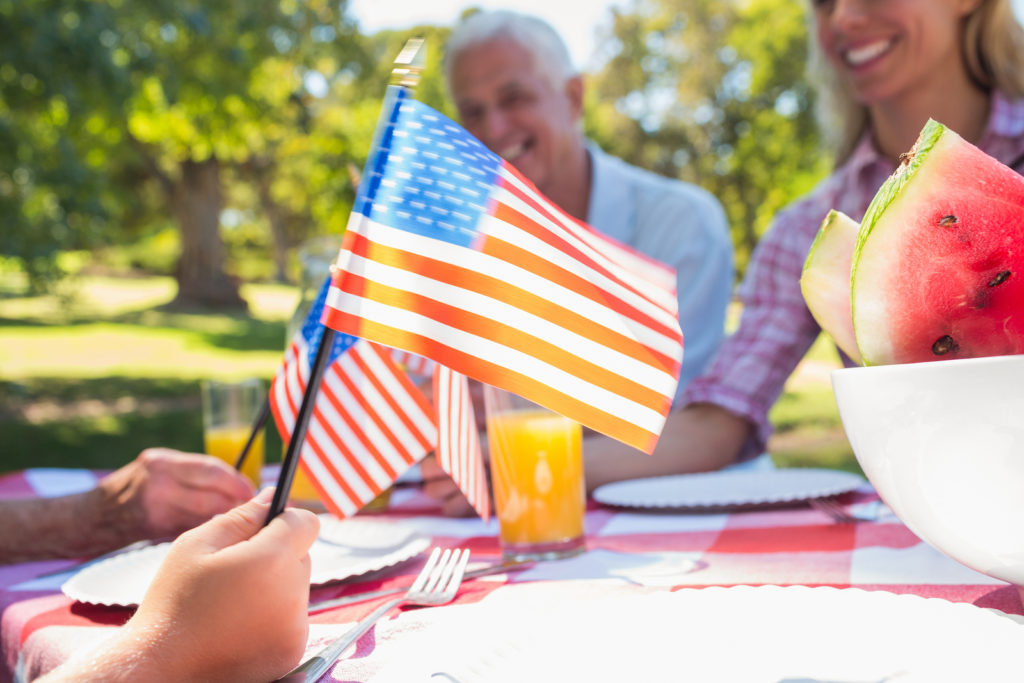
{"x":834,"y":510}
{"x":436,"y":584}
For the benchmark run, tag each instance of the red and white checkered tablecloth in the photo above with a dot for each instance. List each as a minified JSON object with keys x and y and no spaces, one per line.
{"x":626,"y":550}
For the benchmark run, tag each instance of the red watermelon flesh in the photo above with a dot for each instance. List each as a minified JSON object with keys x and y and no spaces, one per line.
{"x":938,"y":269}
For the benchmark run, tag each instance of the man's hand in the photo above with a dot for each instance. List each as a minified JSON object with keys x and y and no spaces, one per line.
{"x":158,"y":495}
{"x":165,"y":492}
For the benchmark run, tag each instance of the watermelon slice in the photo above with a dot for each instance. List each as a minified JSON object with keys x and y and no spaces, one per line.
{"x":938,"y":268}
{"x":825,"y":281}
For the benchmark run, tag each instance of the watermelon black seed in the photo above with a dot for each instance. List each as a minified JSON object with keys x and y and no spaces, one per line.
{"x":947,"y":221}
{"x":944,"y":345}
{"x":1000,"y":278}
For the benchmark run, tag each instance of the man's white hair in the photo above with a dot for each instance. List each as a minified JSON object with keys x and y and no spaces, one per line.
{"x":546,"y":48}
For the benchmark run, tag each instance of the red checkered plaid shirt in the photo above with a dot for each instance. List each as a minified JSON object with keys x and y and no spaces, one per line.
{"x":776,"y":329}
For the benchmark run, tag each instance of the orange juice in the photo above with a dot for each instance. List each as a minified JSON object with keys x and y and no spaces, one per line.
{"x":302,"y":487}
{"x":226,"y":442}
{"x":303,"y":491}
{"x":537,"y":472}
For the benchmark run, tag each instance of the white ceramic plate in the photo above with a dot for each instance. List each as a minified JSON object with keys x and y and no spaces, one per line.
{"x":725,"y":489}
{"x":345,"y":548}
{"x":744,"y":634}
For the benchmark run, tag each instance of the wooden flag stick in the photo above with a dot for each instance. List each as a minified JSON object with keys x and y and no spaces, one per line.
{"x":261,"y":421}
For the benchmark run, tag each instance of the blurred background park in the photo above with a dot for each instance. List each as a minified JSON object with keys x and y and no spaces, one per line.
{"x":162,"y":163}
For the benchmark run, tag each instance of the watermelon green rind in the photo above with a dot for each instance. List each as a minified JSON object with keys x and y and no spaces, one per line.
{"x":890,"y":190}
{"x":938,"y":269}
{"x":895,"y":183}
{"x":825,"y":280}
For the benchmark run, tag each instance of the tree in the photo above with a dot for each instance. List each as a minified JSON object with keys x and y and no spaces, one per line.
{"x":102,"y":97}
{"x":713,"y":92}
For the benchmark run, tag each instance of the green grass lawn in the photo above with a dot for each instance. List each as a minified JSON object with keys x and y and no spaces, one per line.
{"x":808,"y":432}
{"x":88,"y":379}
{"x":94,"y":374}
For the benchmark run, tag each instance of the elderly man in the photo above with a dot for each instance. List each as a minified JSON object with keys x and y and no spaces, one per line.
{"x":515,"y":89}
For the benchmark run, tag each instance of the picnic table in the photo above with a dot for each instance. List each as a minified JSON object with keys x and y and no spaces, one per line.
{"x":676,"y":589}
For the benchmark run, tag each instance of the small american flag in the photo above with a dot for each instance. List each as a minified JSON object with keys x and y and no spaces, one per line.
{"x":369,"y":424}
{"x":458,"y":443}
{"x":417,"y":366}
{"x":452,"y":255}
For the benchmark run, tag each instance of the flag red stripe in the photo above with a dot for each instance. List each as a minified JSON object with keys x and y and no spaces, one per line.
{"x":458,"y":449}
{"x":511,"y":216}
{"x":488,"y":372}
{"x":316,"y":450}
{"x":345,"y":463}
{"x":411,"y":391}
{"x":360,"y":433}
{"x":538,"y":265}
{"x":503,"y":334}
{"x":511,"y":337}
{"x":501,"y":290}
{"x":654,"y":271}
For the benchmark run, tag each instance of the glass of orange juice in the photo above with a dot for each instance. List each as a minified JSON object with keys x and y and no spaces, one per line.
{"x":537,"y":475}
{"x":229,"y":411}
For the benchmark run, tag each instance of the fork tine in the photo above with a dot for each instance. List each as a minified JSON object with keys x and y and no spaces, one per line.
{"x":436,"y":584}
{"x":434,"y":580}
{"x":834,"y":510}
{"x":425,"y":573}
{"x":445,"y":572}
{"x":458,"y":569}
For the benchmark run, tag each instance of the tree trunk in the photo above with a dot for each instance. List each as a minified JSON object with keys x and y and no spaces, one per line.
{"x":278,"y":230}
{"x":196,"y":201}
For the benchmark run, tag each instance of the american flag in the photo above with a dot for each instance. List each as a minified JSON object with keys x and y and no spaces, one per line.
{"x":369,"y":423}
{"x":451,"y":254}
{"x":458,"y":442}
{"x":417,"y":366}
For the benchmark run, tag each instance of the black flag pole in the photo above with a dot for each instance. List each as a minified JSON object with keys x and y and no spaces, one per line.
{"x":404,"y":77}
{"x":261,"y":420}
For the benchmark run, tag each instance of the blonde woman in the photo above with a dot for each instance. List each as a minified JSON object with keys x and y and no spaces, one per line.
{"x":884,"y":67}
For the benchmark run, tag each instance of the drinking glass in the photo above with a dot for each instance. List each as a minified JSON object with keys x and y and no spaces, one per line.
{"x":537,"y":476}
{"x":229,"y":410}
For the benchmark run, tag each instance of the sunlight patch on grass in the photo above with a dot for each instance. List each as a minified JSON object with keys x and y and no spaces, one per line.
{"x":104,"y":349}
{"x":108,"y":296}
{"x":271,"y":301}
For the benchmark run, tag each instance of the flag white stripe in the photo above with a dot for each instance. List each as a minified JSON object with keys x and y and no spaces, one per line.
{"x":422,"y":422}
{"x":656,"y":303}
{"x":366,"y":427}
{"x":459,"y":449}
{"x":513,"y":234}
{"x":318,"y":427}
{"x":280,"y":389}
{"x":375,"y":402}
{"x":595,"y":247}
{"x":553,"y":292}
{"x":583,"y":347}
{"x":326,"y":480}
{"x":469,"y":458}
{"x":554,"y":377}
{"x":327,"y":419}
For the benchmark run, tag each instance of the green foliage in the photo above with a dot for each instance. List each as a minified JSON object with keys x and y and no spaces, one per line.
{"x":106,"y":107}
{"x":712,"y":91}
{"x":91,"y":381}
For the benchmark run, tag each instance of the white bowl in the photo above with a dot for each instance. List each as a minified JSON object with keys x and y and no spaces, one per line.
{"x":943,"y":444}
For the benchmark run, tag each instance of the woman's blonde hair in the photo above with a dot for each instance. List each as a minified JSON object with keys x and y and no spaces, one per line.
{"x":993,"y":45}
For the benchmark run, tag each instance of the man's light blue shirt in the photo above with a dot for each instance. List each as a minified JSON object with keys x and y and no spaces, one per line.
{"x":681,"y":225}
